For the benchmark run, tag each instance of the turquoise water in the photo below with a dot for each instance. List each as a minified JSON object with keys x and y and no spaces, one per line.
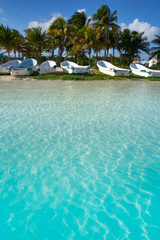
{"x":79,"y":160}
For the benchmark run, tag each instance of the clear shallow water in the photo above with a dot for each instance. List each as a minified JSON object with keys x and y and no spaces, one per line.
{"x":79,"y":160}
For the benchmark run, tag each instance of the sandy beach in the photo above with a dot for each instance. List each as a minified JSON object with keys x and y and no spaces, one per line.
{"x":12,"y":78}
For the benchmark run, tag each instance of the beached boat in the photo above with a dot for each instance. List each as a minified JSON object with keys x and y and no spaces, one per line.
{"x":73,"y":68}
{"x":4,"y":68}
{"x":110,"y":69}
{"x":47,"y":67}
{"x":27,"y":67}
{"x":153,"y":62}
{"x":143,"y":71}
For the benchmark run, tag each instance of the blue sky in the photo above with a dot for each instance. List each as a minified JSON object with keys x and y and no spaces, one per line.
{"x":17,"y":14}
{"x":136,"y":15}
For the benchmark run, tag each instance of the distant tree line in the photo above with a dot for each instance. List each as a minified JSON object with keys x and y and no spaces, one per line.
{"x":77,"y":37}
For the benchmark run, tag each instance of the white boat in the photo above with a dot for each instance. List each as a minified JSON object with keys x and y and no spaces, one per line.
{"x":110,"y":69}
{"x":143,"y":71}
{"x":5,"y":68}
{"x":47,"y":67}
{"x":153,"y":62}
{"x":27,"y":67}
{"x":73,"y":68}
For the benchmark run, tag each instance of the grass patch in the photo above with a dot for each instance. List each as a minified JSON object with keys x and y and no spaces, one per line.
{"x":94,"y":74}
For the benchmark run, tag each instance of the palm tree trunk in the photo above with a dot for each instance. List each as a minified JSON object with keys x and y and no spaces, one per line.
{"x":113,"y":55}
{"x":14,"y":54}
{"x":61,"y":49}
{"x":60,"y":55}
{"x":105,"y":54}
{"x":79,"y":59}
{"x":8,"y":54}
{"x":124,"y":56}
{"x":96,"y":57}
{"x":52,"y":53}
{"x":89,"y":53}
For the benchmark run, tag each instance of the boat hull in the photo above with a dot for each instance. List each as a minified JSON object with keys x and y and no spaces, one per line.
{"x":143,"y":71}
{"x":109,"y":69}
{"x":114,"y":72}
{"x":21,"y":72}
{"x":4,"y":71}
{"x":155,"y":74}
{"x":139,"y":73}
{"x":47,"y":70}
{"x":75,"y":70}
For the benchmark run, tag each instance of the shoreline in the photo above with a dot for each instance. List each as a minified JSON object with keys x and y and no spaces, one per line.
{"x":75,"y":78}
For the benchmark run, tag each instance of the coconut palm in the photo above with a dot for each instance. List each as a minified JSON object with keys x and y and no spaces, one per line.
{"x":124,"y":44}
{"x":28,"y":51}
{"x":91,"y":39}
{"x":6,"y":38}
{"x":85,"y":40}
{"x":75,"y":24}
{"x":156,"y":50}
{"x":51,"y":45}
{"x":106,"y":20}
{"x":17,"y":43}
{"x":131,"y":43}
{"x":138,"y":43}
{"x":114,"y":39}
{"x":58,"y":29}
{"x":36,"y":38}
{"x":78,"y":20}
{"x":75,"y":46}
{"x":98,"y":43}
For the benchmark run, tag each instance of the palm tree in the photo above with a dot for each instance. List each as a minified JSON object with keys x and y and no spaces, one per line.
{"x":6,"y":38}
{"x":75,"y":45}
{"x":51,"y":45}
{"x":36,"y":38}
{"x":98,"y":43}
{"x":74,"y":25}
{"x":18,"y":40}
{"x":85,"y":40}
{"x":91,"y":39}
{"x":58,"y":29}
{"x":131,"y":43}
{"x":114,"y":39}
{"x":28,"y":50}
{"x":106,"y":20}
{"x":155,"y":50}
{"x":78,"y":20}
{"x":138,"y":43}
{"x":124,"y":44}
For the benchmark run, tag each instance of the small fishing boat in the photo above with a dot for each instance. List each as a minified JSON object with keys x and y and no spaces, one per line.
{"x":110,"y":69}
{"x":143,"y":71}
{"x":4,"y":68}
{"x":153,"y":62}
{"x":27,"y":67}
{"x":47,"y":67}
{"x":73,"y":68}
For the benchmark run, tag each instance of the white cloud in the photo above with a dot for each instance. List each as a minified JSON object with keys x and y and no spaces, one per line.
{"x":4,"y":19}
{"x":1,"y":10}
{"x":136,"y":25}
{"x":44,"y":25}
{"x":81,"y":10}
